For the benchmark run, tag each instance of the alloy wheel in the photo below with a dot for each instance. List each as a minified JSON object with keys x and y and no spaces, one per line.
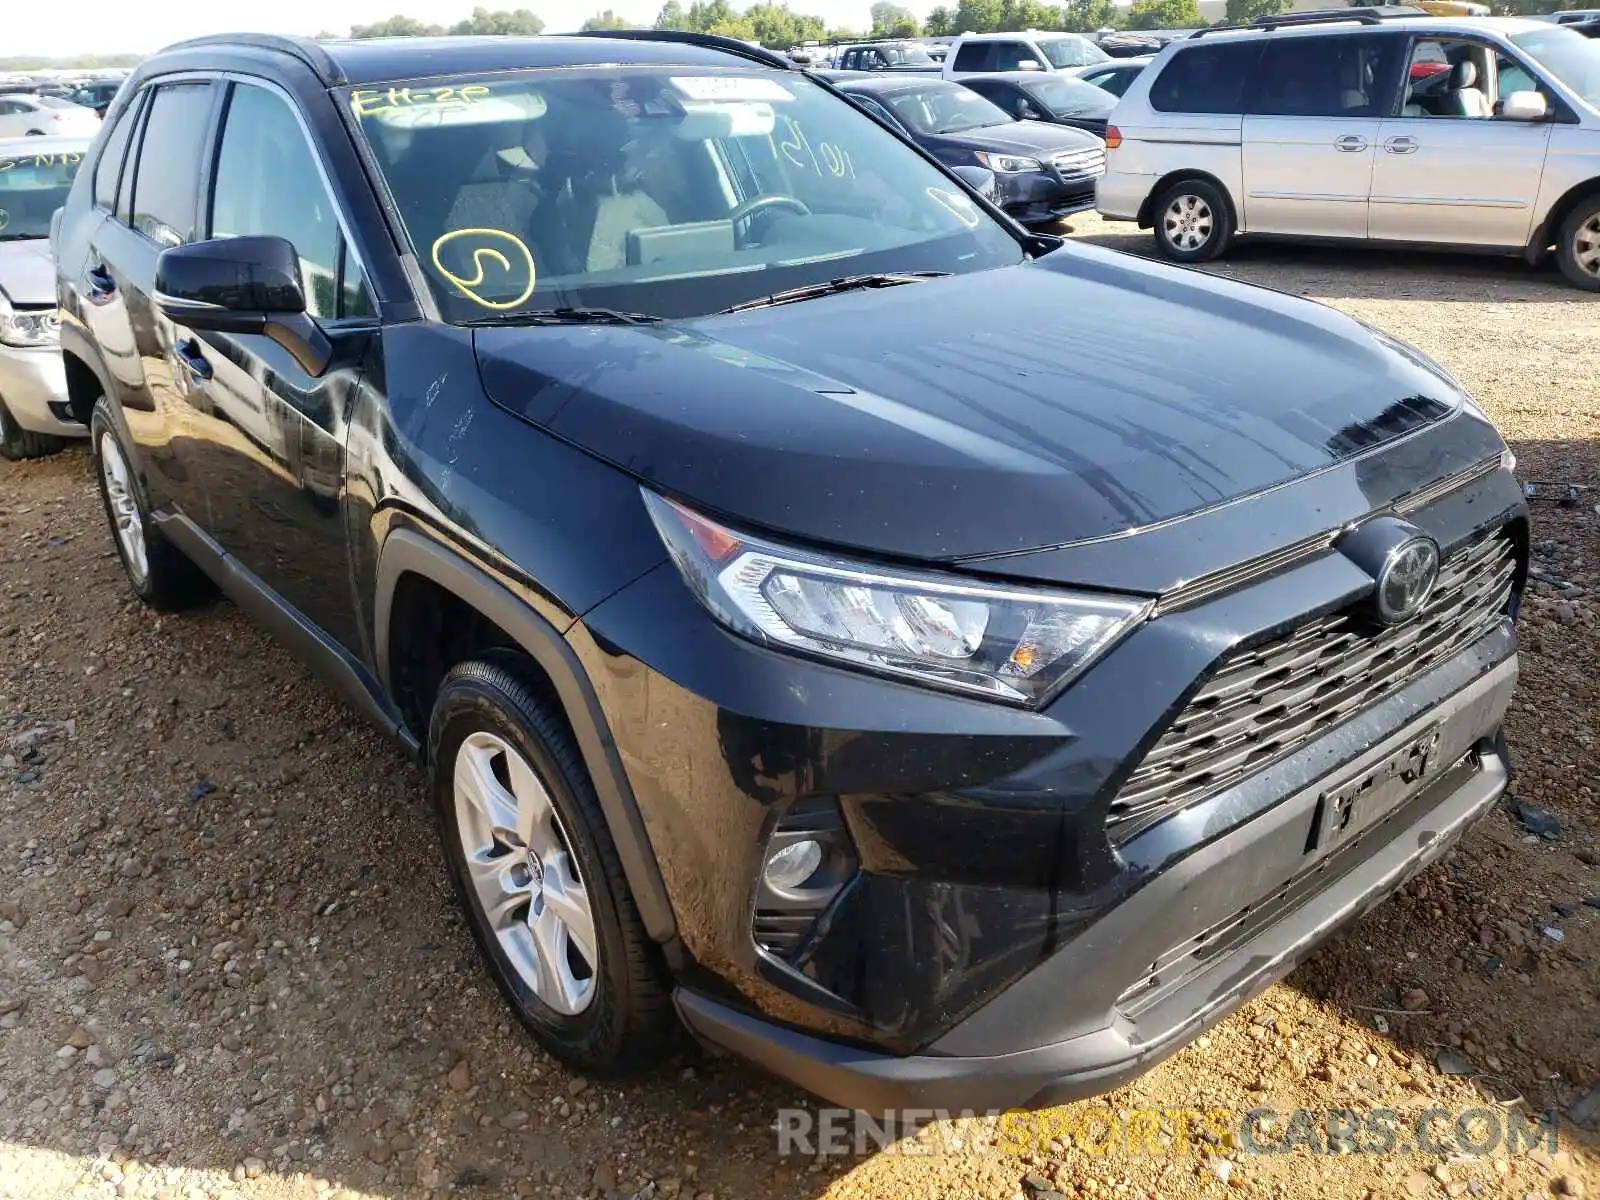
{"x":124,"y":508}
{"x":523,"y":873}
{"x":1187,"y":222}
{"x":1586,"y":245}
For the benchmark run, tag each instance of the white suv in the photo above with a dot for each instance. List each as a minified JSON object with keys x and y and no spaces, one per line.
{"x":1436,"y":131}
{"x":1030,"y":50}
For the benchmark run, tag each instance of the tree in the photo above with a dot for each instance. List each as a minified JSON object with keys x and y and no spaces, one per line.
{"x":1242,"y":12}
{"x":396,"y":26}
{"x":521,"y":21}
{"x":1085,"y":16}
{"x":1165,"y":14}
{"x":672,"y":17}
{"x":978,"y":16}
{"x":890,"y":20}
{"x":606,"y":20}
{"x":941,"y":22}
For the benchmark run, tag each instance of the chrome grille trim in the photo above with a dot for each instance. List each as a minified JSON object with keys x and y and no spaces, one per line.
{"x":1082,"y":163}
{"x":1263,"y":703}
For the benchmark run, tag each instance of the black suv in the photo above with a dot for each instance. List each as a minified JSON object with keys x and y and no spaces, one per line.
{"x":945,"y":665}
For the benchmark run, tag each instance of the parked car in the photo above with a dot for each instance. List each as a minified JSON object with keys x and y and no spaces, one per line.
{"x":35,"y":175}
{"x":1130,"y":45}
{"x":97,"y":94}
{"x":1571,"y":16}
{"x":826,"y":612}
{"x":1056,"y":98}
{"x":1115,"y":76}
{"x":1042,"y":172}
{"x":1319,"y":126}
{"x":899,"y":56}
{"x":24,"y":114}
{"x":981,"y":53}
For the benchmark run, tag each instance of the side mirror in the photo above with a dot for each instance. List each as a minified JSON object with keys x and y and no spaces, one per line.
{"x":980,"y":180}
{"x":1026,"y":111}
{"x":242,"y":285}
{"x":1029,"y":64}
{"x":1525,"y":106}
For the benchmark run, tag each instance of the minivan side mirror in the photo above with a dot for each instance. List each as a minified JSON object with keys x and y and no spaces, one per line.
{"x":1525,"y":106}
{"x":242,"y":285}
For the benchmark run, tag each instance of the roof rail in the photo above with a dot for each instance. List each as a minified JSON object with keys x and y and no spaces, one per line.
{"x":307,"y":51}
{"x":1367,"y":15}
{"x":711,"y":41}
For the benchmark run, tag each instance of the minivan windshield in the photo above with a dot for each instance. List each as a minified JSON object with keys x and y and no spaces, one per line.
{"x":1071,"y":52}
{"x":32,"y":187}
{"x":662,"y":191}
{"x":1566,"y":54}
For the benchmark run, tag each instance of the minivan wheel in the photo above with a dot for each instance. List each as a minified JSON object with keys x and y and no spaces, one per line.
{"x":1579,"y":252}
{"x":17,"y":443}
{"x":1193,"y":222}
{"x":162,"y":576}
{"x":537,"y":873}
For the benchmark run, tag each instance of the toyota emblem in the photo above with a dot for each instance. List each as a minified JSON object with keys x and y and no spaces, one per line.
{"x":1406,"y":580}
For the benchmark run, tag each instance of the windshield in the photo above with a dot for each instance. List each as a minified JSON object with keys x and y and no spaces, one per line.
{"x":32,"y":187}
{"x":666,"y":191}
{"x":944,"y":108}
{"x":1071,"y":52}
{"x":908,"y":56}
{"x":1067,"y":97}
{"x":1568,"y":55}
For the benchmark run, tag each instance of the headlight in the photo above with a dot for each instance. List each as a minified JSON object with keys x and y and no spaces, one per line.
{"x":29,"y":327}
{"x":1012,"y":644}
{"x":1008,"y":164}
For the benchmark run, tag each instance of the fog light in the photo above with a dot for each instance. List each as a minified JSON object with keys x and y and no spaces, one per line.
{"x":793,"y":865}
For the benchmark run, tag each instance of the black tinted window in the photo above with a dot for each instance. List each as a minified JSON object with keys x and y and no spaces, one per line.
{"x":1009,"y":56}
{"x":169,"y":162}
{"x":1206,"y":79}
{"x":973,"y":56}
{"x":1345,"y":76}
{"x":109,"y":169}
{"x":267,"y":183}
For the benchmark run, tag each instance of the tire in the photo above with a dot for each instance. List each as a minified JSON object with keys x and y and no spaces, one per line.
{"x":491,"y":726}
{"x":162,"y":575}
{"x":1579,"y":249}
{"x":1193,"y":221}
{"x":17,"y":443}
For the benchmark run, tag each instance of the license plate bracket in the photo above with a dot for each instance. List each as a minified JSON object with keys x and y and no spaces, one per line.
{"x":1346,"y":809}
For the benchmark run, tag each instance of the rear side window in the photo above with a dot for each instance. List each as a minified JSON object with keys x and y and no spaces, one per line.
{"x":974,"y":56}
{"x":1207,"y":78}
{"x":1344,"y":76}
{"x":1009,"y":56}
{"x":109,"y":169}
{"x":169,"y":163}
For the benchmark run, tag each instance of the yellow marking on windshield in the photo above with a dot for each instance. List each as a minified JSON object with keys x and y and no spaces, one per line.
{"x":372,"y":102}
{"x":487,"y":251}
{"x":64,"y":159}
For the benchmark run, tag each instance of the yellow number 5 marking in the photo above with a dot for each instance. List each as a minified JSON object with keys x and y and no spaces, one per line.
{"x":488,"y":249}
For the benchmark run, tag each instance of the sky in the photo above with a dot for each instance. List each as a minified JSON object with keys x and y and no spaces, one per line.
{"x":42,"y":27}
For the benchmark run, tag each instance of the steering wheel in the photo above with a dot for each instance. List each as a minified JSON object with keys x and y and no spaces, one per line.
{"x":761,"y":204}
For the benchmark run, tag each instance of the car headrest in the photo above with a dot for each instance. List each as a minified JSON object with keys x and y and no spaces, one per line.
{"x":1463,"y":75}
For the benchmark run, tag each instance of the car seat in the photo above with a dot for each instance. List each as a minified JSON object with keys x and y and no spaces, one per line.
{"x":1463,"y":97}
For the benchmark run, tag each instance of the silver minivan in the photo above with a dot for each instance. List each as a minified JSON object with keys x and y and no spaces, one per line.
{"x":1472,"y":132}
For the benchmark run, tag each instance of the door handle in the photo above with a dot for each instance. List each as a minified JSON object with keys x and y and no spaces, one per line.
{"x":101,"y":285}
{"x":1350,"y":143}
{"x":193,"y":360}
{"x":1401,"y":145}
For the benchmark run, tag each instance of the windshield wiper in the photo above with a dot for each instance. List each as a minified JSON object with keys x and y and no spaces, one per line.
{"x":567,"y":316}
{"x":847,"y":283}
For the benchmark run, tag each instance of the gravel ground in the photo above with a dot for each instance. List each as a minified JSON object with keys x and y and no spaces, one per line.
{"x":230,"y":966}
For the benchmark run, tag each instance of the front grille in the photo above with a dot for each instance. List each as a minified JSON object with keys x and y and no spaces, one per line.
{"x":1080,"y":164}
{"x":1266,"y":702}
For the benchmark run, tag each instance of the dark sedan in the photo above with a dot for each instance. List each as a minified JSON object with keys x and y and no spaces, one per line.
{"x":1042,"y":172}
{"x":1057,"y":98}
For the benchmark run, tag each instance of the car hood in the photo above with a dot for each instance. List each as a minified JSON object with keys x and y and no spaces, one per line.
{"x":1024,"y":137}
{"x":1081,"y":395}
{"x":27,"y":272}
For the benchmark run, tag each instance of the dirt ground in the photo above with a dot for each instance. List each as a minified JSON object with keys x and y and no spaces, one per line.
{"x":230,"y":965}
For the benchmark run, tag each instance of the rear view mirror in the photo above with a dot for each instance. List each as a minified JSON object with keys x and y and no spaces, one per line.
{"x":1525,"y":106}
{"x":242,"y":285}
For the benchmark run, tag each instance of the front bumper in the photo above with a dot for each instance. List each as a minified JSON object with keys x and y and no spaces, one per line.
{"x":33,"y":385}
{"x":1029,"y":1046}
{"x":1039,"y":197}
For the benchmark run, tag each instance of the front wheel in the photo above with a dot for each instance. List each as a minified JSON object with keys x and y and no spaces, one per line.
{"x":17,"y":443}
{"x":1579,"y":251}
{"x":1193,"y":222}
{"x":535,"y":869}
